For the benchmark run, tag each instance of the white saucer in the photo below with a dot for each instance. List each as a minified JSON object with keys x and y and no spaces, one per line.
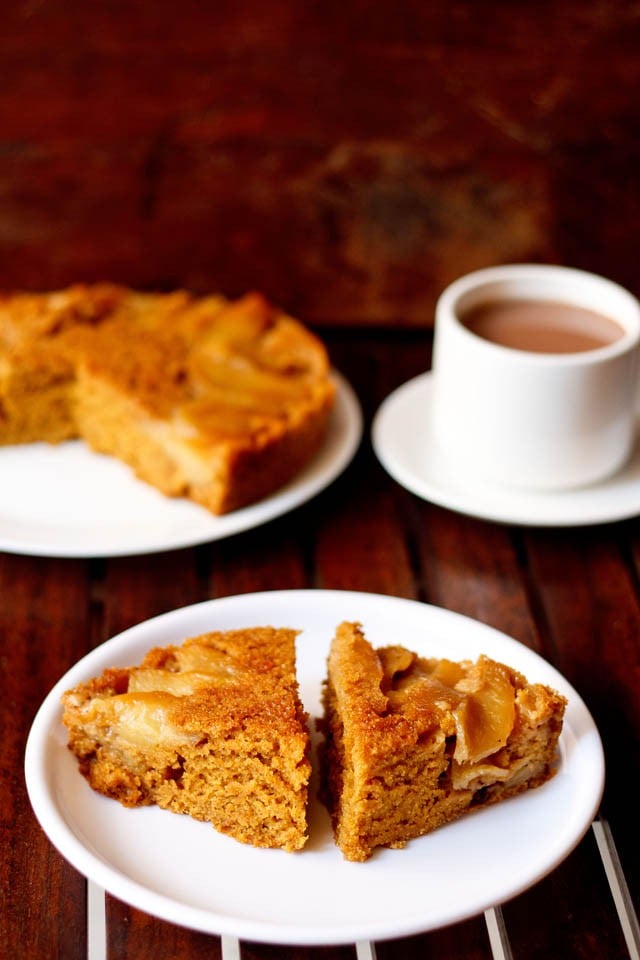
{"x":406,"y":447}
{"x":67,"y":501}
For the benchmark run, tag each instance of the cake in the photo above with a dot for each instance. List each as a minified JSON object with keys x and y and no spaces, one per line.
{"x":413,"y":743}
{"x":219,"y":401}
{"x":213,"y":728}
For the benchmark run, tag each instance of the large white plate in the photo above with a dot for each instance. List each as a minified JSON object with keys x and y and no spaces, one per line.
{"x":185,"y":872}
{"x":66,"y":501}
{"x":404,"y":443}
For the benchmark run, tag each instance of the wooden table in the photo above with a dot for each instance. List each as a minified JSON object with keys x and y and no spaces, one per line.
{"x":572,"y":595}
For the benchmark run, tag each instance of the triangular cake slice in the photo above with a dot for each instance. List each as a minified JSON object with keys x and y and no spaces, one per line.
{"x":413,"y":743}
{"x":213,"y":728}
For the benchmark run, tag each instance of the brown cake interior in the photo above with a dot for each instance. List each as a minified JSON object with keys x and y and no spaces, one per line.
{"x":219,"y":401}
{"x":213,"y":728}
{"x":412,"y":743}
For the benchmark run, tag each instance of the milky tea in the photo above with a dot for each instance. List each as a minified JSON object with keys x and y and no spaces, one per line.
{"x":541,"y":326}
{"x":553,"y":407}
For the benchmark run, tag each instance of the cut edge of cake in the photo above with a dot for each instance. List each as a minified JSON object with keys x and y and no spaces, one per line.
{"x":413,"y":743}
{"x":213,"y":728}
{"x":221,"y":402}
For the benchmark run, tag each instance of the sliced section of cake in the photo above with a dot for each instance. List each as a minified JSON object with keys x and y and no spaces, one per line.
{"x":213,"y":728}
{"x":412,"y":743}
{"x":219,"y":401}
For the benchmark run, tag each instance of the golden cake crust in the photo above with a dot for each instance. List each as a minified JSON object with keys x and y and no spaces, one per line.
{"x":213,"y":728}
{"x":219,"y":401}
{"x":412,"y":743}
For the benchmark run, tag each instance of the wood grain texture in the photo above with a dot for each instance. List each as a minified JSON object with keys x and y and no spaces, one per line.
{"x":44,"y":624}
{"x":572,"y":595}
{"x":349,"y":161}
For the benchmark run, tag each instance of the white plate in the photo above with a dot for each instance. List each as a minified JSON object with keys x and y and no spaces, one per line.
{"x":406,"y":447}
{"x":185,"y":872}
{"x":66,"y":501}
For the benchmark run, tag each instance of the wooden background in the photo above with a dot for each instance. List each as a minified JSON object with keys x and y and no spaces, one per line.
{"x":347,"y":158}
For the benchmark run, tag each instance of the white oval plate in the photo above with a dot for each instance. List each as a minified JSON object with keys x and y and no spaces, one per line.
{"x":185,"y":872}
{"x":67,"y":501}
{"x":406,"y":447}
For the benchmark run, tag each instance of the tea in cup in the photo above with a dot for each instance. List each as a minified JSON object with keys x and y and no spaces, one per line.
{"x":535,"y":375}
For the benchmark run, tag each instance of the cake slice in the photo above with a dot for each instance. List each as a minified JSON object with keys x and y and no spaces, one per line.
{"x":213,"y":728}
{"x":221,"y":402}
{"x":412,"y":743}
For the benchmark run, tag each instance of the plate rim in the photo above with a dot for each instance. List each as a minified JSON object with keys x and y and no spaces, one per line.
{"x":39,"y":774}
{"x":466,"y":500}
{"x":345,"y":433}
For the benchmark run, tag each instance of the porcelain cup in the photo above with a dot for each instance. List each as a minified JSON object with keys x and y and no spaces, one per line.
{"x":544,"y":421}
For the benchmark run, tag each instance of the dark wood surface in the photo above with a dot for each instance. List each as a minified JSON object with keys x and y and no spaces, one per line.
{"x":348,"y":159}
{"x":570,"y":594}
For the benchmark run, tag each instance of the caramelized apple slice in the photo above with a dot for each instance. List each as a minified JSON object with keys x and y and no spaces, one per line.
{"x":485,"y":717}
{"x":181,"y":684}
{"x":140,"y":719}
{"x":204,"y":659}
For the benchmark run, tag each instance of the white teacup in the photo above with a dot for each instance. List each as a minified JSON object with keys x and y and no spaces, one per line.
{"x":526,"y":415}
